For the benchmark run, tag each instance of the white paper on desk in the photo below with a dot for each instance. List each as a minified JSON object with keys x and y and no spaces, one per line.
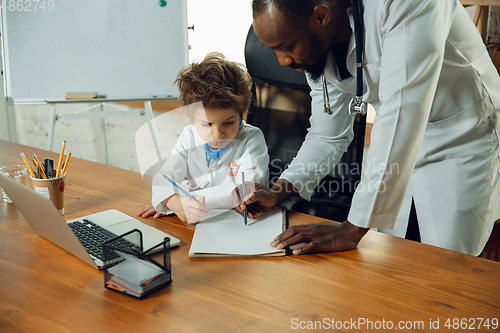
{"x":227,"y":235}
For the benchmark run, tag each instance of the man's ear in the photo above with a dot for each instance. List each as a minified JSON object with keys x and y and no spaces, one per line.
{"x":321,"y":15}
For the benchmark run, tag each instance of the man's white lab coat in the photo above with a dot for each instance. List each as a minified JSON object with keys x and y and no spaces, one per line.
{"x":247,"y":153}
{"x":435,"y":137}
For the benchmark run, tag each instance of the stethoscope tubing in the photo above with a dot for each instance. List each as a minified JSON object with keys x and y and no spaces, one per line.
{"x":356,"y":106}
{"x":358,"y":37}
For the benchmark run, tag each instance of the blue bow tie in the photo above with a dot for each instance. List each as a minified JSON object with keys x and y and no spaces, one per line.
{"x":213,"y":154}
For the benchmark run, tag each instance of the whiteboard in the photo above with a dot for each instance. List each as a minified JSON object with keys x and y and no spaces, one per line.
{"x":121,"y":49}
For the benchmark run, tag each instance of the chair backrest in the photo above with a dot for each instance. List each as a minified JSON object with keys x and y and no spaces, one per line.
{"x":282,"y":107}
{"x":262,"y":64}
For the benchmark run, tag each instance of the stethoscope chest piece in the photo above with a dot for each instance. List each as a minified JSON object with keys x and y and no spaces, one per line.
{"x":356,"y":105}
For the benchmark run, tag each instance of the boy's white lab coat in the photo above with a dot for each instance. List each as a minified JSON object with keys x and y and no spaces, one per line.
{"x":247,"y":153}
{"x":435,"y":137}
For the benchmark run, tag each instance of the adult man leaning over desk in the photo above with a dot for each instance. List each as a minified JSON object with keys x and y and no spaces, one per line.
{"x":437,"y":98}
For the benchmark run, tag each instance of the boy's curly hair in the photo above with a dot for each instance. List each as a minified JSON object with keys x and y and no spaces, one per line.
{"x":216,"y":82}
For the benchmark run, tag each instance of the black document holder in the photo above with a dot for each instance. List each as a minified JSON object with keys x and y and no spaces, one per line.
{"x":131,"y":243}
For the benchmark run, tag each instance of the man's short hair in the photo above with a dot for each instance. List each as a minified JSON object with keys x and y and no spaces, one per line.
{"x":288,"y":7}
{"x":296,"y":10}
{"x":216,"y":82}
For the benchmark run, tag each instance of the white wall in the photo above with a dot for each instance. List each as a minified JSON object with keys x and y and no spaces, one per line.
{"x":219,"y":25}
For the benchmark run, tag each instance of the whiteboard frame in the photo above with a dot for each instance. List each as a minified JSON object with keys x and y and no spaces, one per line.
{"x":18,"y":100}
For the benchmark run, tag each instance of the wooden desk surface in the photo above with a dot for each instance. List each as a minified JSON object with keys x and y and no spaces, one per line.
{"x":480,"y":2}
{"x":386,"y":280}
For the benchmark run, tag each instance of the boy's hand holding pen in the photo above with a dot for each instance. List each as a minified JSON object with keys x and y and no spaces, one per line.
{"x":191,"y":212}
{"x":46,"y":169}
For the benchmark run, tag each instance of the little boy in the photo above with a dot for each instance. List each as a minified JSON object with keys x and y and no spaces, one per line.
{"x":216,"y":148}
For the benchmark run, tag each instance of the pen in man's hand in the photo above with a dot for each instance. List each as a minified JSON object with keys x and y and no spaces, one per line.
{"x":243,"y":196}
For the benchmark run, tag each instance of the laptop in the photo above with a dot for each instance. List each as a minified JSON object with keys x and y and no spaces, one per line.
{"x":46,"y":220}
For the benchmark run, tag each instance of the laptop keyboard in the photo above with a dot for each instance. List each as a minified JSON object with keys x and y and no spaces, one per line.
{"x":92,"y":236}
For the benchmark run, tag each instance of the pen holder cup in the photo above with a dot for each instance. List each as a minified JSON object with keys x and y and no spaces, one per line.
{"x":52,"y":189}
{"x":131,"y":270}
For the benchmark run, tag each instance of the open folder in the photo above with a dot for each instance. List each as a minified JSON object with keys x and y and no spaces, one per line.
{"x":227,"y":235}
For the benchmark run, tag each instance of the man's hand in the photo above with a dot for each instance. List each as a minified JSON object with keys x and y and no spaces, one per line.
{"x":263,"y":199}
{"x":260,"y":200}
{"x":321,"y":237}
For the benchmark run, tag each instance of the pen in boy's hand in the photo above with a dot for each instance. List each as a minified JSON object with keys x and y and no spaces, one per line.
{"x":177,"y":186}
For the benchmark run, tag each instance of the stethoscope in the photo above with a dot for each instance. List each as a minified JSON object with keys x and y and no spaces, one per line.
{"x":356,"y":105}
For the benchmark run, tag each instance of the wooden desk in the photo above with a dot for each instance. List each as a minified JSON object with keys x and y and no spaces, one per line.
{"x":480,"y":2}
{"x":386,"y":280}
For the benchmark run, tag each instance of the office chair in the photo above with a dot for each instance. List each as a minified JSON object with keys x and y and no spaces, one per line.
{"x":281,"y":108}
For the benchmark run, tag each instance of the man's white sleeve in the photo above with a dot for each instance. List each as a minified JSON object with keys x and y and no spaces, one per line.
{"x":325,"y":143}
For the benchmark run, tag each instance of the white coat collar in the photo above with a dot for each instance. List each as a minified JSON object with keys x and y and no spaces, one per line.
{"x":199,"y":151}
{"x":331,"y":72}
